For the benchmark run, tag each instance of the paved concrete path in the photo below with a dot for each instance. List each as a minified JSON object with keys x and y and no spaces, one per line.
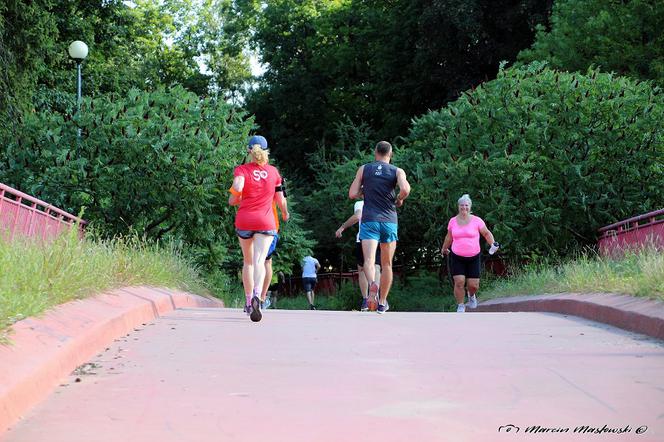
{"x":212,"y":375}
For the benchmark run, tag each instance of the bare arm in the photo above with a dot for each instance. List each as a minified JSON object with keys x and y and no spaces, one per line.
{"x":351,"y":221}
{"x":404,"y":187}
{"x":236,"y":191}
{"x":280,"y":199}
{"x":488,"y":236}
{"x":446,"y":244}
{"x":355,"y":191}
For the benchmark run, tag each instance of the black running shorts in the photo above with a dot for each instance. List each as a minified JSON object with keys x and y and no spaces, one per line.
{"x":466,"y":266}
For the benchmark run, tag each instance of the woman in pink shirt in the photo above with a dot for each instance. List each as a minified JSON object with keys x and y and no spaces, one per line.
{"x":463,"y":233}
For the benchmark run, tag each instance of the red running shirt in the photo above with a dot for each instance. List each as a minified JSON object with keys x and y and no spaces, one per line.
{"x":256,"y":212}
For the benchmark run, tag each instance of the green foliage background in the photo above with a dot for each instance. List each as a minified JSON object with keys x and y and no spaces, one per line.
{"x":547,"y":157}
{"x":625,"y":37}
{"x":549,"y":152}
{"x":155,"y":163}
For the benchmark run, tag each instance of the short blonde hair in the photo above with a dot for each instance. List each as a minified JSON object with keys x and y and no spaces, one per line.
{"x":259,"y":155}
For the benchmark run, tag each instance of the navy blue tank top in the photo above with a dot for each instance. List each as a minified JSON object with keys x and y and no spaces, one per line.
{"x":379,"y":180}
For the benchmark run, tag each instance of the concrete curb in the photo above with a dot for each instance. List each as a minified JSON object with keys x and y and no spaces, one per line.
{"x":44,"y":350}
{"x":639,"y":315}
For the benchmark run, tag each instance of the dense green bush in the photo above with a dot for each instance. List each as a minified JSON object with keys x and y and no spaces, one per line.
{"x":157,"y":163}
{"x":548,"y":157}
{"x":625,"y":37}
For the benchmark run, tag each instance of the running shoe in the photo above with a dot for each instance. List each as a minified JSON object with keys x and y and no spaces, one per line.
{"x":365,"y":305}
{"x":247,"y":309}
{"x":461,"y":308}
{"x":267,"y":303}
{"x":312,"y":307}
{"x":383,"y":308}
{"x":256,"y":314}
{"x":472,"y":301}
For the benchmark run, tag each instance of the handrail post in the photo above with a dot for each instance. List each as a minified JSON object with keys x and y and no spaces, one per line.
{"x":15,"y":223}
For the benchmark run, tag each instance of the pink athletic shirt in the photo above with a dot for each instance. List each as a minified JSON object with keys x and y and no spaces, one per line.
{"x":466,"y":239}
{"x":256,"y":211}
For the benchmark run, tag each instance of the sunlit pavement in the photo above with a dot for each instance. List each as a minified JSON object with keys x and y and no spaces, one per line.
{"x":211,"y":375}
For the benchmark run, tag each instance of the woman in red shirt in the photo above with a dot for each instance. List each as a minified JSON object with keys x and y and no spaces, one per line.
{"x":256,"y":186}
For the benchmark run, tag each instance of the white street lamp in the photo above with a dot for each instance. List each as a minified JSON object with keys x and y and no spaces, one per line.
{"x":78,"y":51}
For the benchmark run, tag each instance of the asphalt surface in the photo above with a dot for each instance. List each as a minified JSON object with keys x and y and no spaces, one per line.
{"x":212,"y":375}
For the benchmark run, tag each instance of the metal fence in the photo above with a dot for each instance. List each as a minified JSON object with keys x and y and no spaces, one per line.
{"x":633,"y":233}
{"x":22,"y":214}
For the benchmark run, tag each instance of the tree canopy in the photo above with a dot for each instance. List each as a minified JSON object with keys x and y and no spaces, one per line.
{"x":626,"y":37}
{"x":376,"y":62}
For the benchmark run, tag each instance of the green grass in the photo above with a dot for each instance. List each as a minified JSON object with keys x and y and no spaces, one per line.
{"x":35,"y":277}
{"x":637,"y":273}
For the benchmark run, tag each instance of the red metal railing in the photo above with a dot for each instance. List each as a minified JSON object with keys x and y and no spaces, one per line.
{"x":633,"y":233}
{"x":22,"y":214}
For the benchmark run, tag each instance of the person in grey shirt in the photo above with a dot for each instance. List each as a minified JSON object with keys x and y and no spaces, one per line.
{"x":376,"y":182}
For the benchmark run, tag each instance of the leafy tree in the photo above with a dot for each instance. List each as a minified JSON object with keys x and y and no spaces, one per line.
{"x":158,"y":163}
{"x":375,"y":62}
{"x":548,"y":157}
{"x":327,"y":204}
{"x":142,"y":44}
{"x":626,"y":37}
{"x":26,"y":31}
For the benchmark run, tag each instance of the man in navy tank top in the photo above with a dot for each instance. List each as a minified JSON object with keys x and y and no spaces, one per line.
{"x":377,"y":183}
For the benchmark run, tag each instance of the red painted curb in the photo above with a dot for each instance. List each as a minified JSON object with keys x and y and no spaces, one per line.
{"x":46,"y":349}
{"x":639,"y":315}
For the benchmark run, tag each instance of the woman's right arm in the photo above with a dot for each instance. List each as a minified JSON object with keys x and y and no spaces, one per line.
{"x":236,"y":191}
{"x":446,"y":244}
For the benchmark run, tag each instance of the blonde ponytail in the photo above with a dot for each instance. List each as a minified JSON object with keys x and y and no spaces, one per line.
{"x":259,"y":155}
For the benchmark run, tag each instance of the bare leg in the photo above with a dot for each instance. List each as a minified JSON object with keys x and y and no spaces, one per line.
{"x":369,"y":247}
{"x":261,"y":247}
{"x":362,"y":280}
{"x":247,"y":246}
{"x":473,"y":286}
{"x":459,"y":288}
{"x":310,"y":297}
{"x":379,"y":273}
{"x":268,"y":278}
{"x":386,"y":276}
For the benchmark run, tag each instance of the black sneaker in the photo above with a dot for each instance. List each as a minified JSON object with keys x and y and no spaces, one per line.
{"x":365,"y":305}
{"x":255,"y":314}
{"x":311,"y":307}
{"x":383,"y":308}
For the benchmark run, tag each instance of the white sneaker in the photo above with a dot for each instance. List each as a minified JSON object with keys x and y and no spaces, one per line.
{"x":461,"y":308}
{"x":472,"y":301}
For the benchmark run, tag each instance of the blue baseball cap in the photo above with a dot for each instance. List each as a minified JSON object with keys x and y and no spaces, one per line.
{"x":257,"y":139}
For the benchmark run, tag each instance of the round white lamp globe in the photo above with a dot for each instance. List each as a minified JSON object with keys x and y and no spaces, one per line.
{"x":78,"y":50}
